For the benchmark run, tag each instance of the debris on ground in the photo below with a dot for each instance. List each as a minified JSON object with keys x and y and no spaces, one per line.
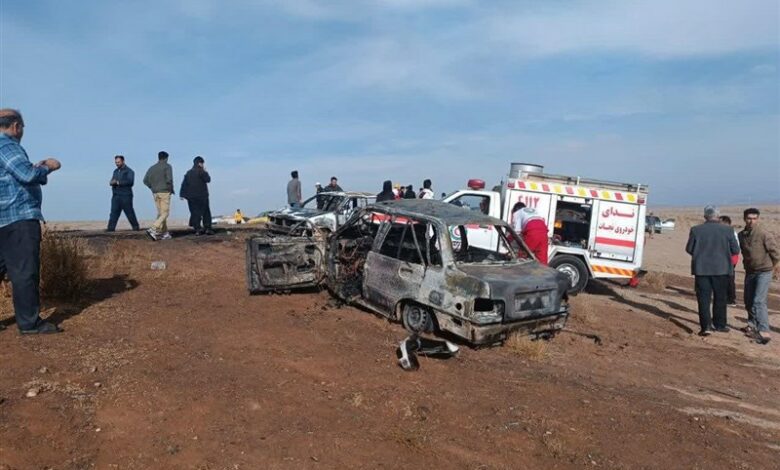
{"x":409,"y":348}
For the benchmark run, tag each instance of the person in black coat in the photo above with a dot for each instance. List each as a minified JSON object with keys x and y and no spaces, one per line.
{"x":195,"y":190}
{"x":409,"y":193}
{"x":387,"y":192}
{"x":711,"y":246}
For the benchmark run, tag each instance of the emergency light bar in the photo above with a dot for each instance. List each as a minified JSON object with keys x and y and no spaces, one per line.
{"x":476,"y":184}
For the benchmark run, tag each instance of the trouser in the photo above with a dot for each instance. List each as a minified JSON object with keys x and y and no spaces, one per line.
{"x":756,"y":292}
{"x":712,"y":291}
{"x":537,"y":241}
{"x":199,"y":213}
{"x":732,"y":293}
{"x":20,"y":257}
{"x":163,"y":203}
{"x":120,"y":203}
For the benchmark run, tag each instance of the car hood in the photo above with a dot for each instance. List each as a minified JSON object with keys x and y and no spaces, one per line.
{"x":302,"y":213}
{"x":508,"y":281}
{"x":531,"y":274}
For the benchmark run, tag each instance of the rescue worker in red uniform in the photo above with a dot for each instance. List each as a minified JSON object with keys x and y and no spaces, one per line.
{"x":532,"y":227}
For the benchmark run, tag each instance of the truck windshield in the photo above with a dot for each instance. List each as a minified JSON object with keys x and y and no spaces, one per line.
{"x":486,"y":244}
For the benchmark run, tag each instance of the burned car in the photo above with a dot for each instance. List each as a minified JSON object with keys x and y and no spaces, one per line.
{"x":411,"y":261}
{"x":326,"y":210}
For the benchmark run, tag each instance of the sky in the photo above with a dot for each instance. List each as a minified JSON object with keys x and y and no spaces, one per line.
{"x":683,"y":95}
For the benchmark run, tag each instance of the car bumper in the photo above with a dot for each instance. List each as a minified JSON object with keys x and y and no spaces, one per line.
{"x":487,"y":334}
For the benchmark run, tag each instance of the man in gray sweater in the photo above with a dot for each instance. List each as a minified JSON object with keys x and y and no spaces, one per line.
{"x":159,"y":178}
{"x":711,"y":246}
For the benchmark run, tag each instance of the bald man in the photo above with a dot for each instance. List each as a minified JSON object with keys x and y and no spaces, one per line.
{"x":20,"y":222}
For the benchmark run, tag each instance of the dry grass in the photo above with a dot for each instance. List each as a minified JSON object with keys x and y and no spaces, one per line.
{"x":64,"y":268}
{"x":656,"y":281}
{"x":582,"y":309}
{"x":522,"y":345}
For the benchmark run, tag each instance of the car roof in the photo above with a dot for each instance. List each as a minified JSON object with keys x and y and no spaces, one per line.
{"x":348,"y":194}
{"x":449,"y":214}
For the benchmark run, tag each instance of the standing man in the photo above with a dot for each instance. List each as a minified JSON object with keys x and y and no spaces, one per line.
{"x":426,"y":192}
{"x":294,"y":198}
{"x":532,"y":227}
{"x":711,"y":246}
{"x":194,"y":188}
{"x":761,"y":259}
{"x":732,"y":294}
{"x":20,"y":223}
{"x":122,"y":195}
{"x":333,"y":186}
{"x":159,"y":178}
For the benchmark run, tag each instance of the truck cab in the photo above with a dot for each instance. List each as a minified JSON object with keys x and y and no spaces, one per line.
{"x":596,"y":227}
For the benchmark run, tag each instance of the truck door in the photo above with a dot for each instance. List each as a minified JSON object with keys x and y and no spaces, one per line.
{"x":488,"y":203}
{"x":617,"y":229}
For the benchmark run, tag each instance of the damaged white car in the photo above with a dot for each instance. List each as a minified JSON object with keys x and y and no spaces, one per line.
{"x":411,"y":261}
{"x":325,"y":211}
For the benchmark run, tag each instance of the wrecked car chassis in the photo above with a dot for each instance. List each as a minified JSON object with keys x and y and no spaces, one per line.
{"x":398,"y":259}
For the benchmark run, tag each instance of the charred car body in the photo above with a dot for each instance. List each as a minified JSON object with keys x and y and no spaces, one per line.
{"x":410,"y":260}
{"x":326,"y":210}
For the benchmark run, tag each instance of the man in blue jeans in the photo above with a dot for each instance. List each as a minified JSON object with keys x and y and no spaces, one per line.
{"x":760,"y":257}
{"x":20,"y":222}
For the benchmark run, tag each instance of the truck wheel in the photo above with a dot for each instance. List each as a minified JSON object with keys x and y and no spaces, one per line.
{"x":575,"y":269}
{"x":416,"y":318}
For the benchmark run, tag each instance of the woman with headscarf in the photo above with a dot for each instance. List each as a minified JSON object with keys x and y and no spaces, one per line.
{"x":387,"y":192}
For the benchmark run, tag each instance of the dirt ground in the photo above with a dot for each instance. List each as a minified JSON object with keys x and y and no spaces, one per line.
{"x":181,"y":369}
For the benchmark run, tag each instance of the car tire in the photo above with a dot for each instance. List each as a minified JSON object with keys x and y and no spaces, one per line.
{"x":575,"y":269}
{"x":417,"y":319}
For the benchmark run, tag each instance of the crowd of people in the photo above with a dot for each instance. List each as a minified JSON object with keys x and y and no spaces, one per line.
{"x":389,"y":191}
{"x":715,"y":250}
{"x":713,"y":245}
{"x":159,"y":180}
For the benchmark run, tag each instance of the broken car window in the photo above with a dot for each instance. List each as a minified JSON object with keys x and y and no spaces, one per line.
{"x":401,"y":243}
{"x":504,"y":250}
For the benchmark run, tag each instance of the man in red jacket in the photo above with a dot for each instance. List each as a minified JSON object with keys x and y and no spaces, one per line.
{"x":532,"y":227}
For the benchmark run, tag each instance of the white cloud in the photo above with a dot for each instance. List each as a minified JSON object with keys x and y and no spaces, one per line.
{"x":658,"y":28}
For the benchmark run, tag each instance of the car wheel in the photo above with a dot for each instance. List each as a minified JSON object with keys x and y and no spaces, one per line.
{"x":417,"y":319}
{"x":575,"y":269}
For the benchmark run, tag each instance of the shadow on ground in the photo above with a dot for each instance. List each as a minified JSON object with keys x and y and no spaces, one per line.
{"x":605,"y":289}
{"x":99,"y":290}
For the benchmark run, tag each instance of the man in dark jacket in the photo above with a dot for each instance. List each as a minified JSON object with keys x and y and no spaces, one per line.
{"x":409,"y":193}
{"x":711,"y":246}
{"x":122,"y":195}
{"x":387,"y":192}
{"x":195,"y":190}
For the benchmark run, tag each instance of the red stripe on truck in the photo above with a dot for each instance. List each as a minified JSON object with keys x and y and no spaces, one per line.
{"x":615,"y":242}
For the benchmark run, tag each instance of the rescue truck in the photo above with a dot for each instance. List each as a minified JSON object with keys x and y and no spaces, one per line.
{"x":596,"y":228}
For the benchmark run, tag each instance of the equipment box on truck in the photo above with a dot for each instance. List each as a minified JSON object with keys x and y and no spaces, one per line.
{"x":596,"y":227}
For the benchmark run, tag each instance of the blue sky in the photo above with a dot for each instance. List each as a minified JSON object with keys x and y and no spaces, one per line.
{"x":681,"y":95}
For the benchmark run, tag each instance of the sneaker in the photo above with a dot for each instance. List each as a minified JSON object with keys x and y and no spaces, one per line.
{"x":704,"y":333}
{"x":152,"y":234}
{"x":166,"y":236}
{"x":44,"y":328}
{"x":209,"y":232}
{"x":723,"y":329}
